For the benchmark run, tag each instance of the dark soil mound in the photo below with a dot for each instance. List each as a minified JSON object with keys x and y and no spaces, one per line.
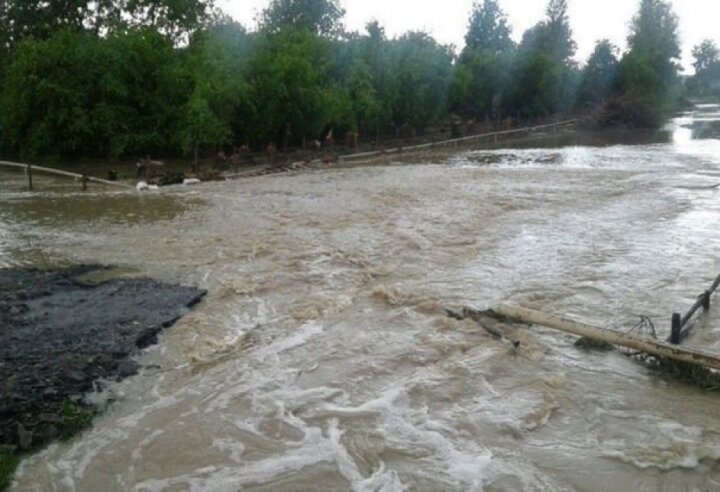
{"x":59,"y":335}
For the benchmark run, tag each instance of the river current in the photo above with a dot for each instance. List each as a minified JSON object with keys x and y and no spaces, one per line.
{"x":323,"y":358}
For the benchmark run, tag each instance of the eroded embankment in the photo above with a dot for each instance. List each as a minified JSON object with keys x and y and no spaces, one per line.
{"x":60,"y":335}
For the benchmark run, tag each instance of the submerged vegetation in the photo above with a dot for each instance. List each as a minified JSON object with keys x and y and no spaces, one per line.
{"x":119,"y":78}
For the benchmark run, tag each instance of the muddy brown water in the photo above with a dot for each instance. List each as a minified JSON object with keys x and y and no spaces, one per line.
{"x":322,"y":358}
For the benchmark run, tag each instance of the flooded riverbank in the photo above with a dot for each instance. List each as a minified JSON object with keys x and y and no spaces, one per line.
{"x":323,"y":357}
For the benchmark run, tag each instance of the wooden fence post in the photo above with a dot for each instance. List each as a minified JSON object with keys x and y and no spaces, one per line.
{"x":706,"y":301}
{"x":28,"y":170}
{"x":676,"y":333}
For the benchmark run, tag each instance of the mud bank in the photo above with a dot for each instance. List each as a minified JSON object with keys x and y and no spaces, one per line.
{"x":60,"y":335}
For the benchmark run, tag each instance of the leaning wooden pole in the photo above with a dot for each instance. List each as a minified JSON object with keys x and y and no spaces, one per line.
{"x":646,"y":345}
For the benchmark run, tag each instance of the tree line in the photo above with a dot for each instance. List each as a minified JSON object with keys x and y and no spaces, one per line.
{"x":126,"y":78}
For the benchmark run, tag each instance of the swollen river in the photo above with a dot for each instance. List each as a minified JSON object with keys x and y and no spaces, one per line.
{"x":323,"y":358}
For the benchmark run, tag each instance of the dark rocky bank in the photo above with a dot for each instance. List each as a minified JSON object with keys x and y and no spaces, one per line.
{"x":60,"y":335}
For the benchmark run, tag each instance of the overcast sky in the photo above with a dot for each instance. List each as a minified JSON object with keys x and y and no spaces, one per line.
{"x":447,"y":19}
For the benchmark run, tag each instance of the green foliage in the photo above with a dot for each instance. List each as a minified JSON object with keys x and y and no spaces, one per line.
{"x":647,"y":85}
{"x":175,"y":18}
{"x":707,"y":57}
{"x":536,"y":85}
{"x":321,"y":17}
{"x":488,"y":29}
{"x":598,"y":75}
{"x":75,"y":419}
{"x":482,"y":71}
{"x":706,"y":81}
{"x":41,"y":19}
{"x":46,"y":95}
{"x":142,"y":85}
{"x":8,"y":463}
{"x":654,"y":33}
{"x":419,"y":81}
{"x":553,"y":36}
{"x":544,"y":77}
{"x":481,"y":82}
{"x":127,"y":78}
{"x":290,"y":73}
{"x":75,"y":93}
{"x":364,"y":108}
{"x":216,"y":64}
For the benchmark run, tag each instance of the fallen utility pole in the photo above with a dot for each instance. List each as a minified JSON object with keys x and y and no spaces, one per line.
{"x":646,"y":345}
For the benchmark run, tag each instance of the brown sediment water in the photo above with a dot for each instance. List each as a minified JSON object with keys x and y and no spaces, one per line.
{"x":323,"y":359}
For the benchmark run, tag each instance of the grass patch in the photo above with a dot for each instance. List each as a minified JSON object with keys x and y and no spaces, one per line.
{"x":75,"y":418}
{"x":8,"y":463}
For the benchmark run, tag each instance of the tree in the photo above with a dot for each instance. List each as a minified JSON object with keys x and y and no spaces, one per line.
{"x":174,"y":18}
{"x":544,"y":76}
{"x":142,"y":86}
{"x":39,"y":19}
{"x":707,"y":56}
{"x":218,"y":109}
{"x":560,"y":43}
{"x":290,"y":83}
{"x":647,"y":86}
{"x":46,"y":96}
{"x":598,"y":75}
{"x":364,"y":107}
{"x":553,"y":36}
{"x":706,"y":81}
{"x":421,"y":77}
{"x":654,"y":34}
{"x":536,"y":88}
{"x":654,"y":39}
{"x":488,"y":29}
{"x":482,"y":69}
{"x":322,"y":17}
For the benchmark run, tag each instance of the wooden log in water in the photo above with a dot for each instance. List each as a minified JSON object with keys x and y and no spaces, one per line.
{"x":646,"y":345}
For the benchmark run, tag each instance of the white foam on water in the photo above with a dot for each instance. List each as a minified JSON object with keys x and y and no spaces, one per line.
{"x":300,"y":337}
{"x":674,"y":446}
{"x":415,"y":429}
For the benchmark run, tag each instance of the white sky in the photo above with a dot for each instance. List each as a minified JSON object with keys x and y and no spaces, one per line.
{"x":447,"y":20}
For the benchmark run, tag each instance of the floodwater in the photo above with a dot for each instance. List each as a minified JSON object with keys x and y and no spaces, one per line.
{"x":323,"y":359}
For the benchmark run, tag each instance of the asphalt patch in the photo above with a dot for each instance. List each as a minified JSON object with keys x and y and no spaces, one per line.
{"x":60,"y":335}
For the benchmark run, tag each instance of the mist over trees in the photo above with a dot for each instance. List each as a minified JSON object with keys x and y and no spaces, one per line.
{"x":125,"y":78}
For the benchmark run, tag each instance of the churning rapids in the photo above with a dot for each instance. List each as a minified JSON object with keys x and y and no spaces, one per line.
{"x":323,"y":359}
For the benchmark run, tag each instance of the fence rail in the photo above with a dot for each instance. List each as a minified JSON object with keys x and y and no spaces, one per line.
{"x":680,"y":325}
{"x":84,"y":179}
{"x":456,"y":141}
